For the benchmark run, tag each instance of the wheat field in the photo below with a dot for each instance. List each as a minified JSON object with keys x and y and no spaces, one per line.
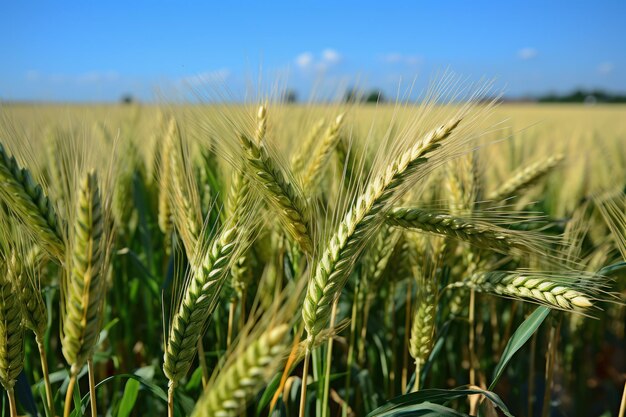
{"x":272,"y":259}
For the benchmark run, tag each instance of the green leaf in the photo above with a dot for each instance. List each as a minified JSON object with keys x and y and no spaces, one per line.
{"x":127,"y":403}
{"x":424,"y":402}
{"x":426,"y":410}
{"x":616,"y":269}
{"x":268,"y":393}
{"x":519,"y":338}
{"x":152,"y":388}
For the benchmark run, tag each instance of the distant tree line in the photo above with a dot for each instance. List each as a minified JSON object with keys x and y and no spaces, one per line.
{"x":583,"y":96}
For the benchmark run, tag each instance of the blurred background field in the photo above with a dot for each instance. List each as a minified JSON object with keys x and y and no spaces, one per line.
{"x":589,"y":368}
{"x":274,"y":119}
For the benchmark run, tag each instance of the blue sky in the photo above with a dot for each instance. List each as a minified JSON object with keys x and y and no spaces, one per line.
{"x":99,"y":50}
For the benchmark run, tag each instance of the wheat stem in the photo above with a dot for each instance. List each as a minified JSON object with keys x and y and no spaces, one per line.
{"x":329,"y":358}
{"x":92,"y":388}
{"x":12,"y":405}
{"x":170,"y":399}
{"x":67,"y":409}
{"x":46,"y":374}
{"x":305,"y":377}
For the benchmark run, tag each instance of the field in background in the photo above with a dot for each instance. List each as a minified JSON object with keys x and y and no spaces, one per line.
{"x":372,"y":343}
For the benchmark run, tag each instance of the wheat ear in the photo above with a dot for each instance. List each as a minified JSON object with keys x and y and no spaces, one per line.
{"x":302,"y":153}
{"x":239,"y":199}
{"x":322,"y":154}
{"x":164,"y":177}
{"x":525,"y":178}
{"x":337,"y":261}
{"x":84,"y":288}
{"x":11,"y":335}
{"x":480,"y":234}
{"x":34,"y":313}
{"x":543,"y":289}
{"x":26,"y":199}
{"x":284,"y":195}
{"x":236,"y":384}
{"x":183,"y":191}
{"x":198,"y":301}
{"x":423,"y":328}
{"x":84,"y":298}
{"x":11,"y":340}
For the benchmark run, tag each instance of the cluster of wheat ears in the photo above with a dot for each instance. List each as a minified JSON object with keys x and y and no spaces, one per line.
{"x":269,"y":236}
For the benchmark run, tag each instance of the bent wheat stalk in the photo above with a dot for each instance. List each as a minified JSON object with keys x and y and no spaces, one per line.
{"x":241,"y":379}
{"x":301,"y":154}
{"x":549,"y":290}
{"x":480,"y":234}
{"x":525,"y":178}
{"x":345,"y":245}
{"x":284,"y":195}
{"x":337,"y":261}
{"x":322,"y":154}
{"x":28,"y":201}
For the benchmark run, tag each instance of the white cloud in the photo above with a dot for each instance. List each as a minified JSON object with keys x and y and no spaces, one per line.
{"x":397,"y":58}
{"x":200,"y":78}
{"x":330,"y":56}
{"x":96,"y":77}
{"x":304,"y":60}
{"x":326,"y":59}
{"x":605,"y":68}
{"x":527,"y":53}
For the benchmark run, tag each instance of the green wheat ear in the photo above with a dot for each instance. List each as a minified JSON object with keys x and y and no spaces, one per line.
{"x":11,"y":335}
{"x":34,"y":311}
{"x":27,"y":200}
{"x":240,"y":380}
{"x":85,"y":283}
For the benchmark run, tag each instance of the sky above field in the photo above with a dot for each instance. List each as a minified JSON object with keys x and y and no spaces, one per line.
{"x":100,"y":50}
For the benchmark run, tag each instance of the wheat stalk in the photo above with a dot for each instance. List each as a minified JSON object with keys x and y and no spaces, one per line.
{"x":524,"y":178}
{"x":28,"y":201}
{"x":164,"y":177}
{"x":34,"y":311}
{"x":284,"y":195}
{"x":11,"y":335}
{"x":311,"y":176}
{"x":198,"y":300}
{"x":423,"y":327}
{"x":302,"y":154}
{"x":184,"y":200}
{"x":83,"y":290}
{"x":344,"y":246}
{"x":544,"y":289}
{"x":481,"y":234}
{"x":241,"y":379}
{"x":11,"y":340}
